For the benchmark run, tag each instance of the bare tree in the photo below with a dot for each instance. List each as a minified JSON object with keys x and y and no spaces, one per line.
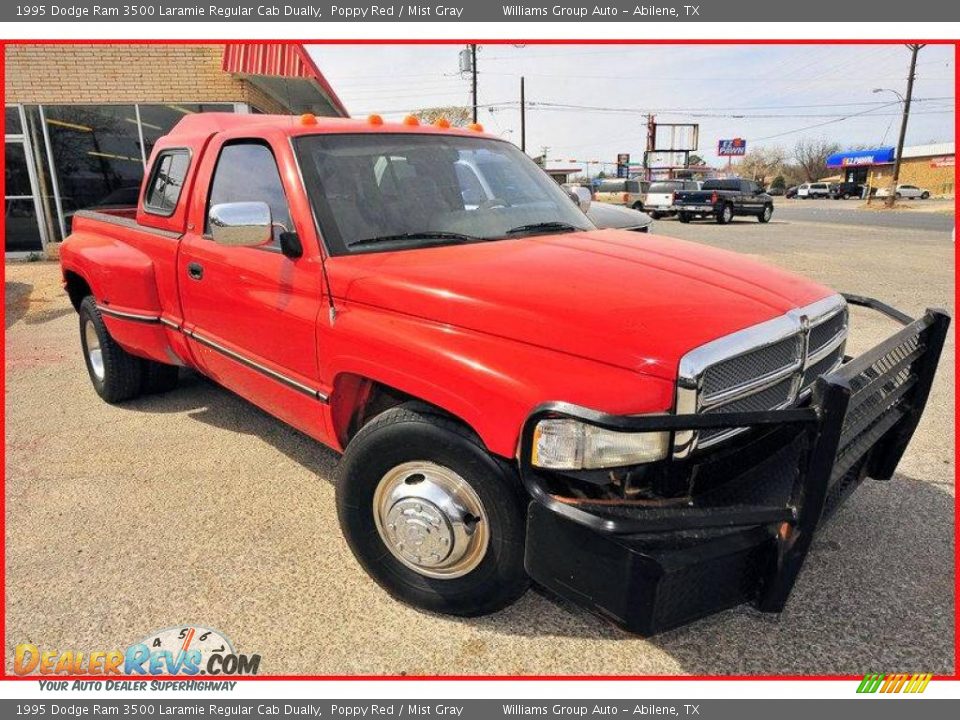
{"x":456,"y":114}
{"x":811,"y":157}
{"x":763,"y":163}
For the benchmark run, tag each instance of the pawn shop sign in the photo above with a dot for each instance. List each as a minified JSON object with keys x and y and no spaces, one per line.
{"x":734,"y":146}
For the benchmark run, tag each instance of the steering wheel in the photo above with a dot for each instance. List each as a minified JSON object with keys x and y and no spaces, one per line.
{"x":492,"y":203}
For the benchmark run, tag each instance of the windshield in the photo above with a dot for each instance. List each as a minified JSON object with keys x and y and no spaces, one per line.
{"x":382,"y":191}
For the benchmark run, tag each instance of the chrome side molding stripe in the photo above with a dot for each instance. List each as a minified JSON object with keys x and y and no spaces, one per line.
{"x":243,"y":360}
{"x":135,"y":317}
{"x":253,"y":365}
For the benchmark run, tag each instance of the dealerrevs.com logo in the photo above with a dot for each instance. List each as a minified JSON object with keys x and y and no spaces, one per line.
{"x":189,"y":650}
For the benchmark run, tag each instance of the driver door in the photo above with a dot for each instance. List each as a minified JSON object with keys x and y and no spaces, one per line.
{"x":250,"y":313}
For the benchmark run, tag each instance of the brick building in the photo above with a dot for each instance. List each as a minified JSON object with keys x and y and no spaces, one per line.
{"x":81,"y":120}
{"x":931,"y":167}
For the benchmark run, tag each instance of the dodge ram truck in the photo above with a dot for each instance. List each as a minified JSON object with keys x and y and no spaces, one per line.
{"x":722,"y":200}
{"x":649,"y":427}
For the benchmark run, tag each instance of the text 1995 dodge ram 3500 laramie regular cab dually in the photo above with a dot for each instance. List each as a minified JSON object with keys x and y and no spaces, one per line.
{"x":651,"y":428}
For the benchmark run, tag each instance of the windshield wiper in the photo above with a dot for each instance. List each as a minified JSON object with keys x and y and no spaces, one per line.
{"x":427,"y":235}
{"x":552,"y":226}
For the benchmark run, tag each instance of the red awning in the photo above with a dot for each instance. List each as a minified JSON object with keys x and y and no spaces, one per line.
{"x":278,"y":60}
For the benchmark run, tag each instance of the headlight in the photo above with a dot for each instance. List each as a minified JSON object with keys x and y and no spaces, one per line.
{"x":566,"y":444}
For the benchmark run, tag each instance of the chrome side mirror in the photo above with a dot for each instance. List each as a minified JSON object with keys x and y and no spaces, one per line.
{"x":580,"y":196}
{"x":241,"y":224}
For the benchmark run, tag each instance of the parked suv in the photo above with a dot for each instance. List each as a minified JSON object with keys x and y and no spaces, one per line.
{"x":846,"y":191}
{"x":622,"y":192}
{"x":809,"y":191}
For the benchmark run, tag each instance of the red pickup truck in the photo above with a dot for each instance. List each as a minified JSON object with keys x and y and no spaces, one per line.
{"x":651,"y":428}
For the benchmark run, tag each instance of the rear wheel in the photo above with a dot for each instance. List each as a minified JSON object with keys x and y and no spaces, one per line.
{"x":638,"y":205}
{"x":656,"y":215}
{"x":159,"y":377}
{"x":436,"y":520}
{"x":116,"y":374}
{"x":725,"y":214}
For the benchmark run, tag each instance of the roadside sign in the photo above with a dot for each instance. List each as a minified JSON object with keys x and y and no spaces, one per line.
{"x":732,"y":147}
{"x":623,"y":165}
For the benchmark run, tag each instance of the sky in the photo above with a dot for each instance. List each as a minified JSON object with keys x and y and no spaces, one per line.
{"x":770,"y":95}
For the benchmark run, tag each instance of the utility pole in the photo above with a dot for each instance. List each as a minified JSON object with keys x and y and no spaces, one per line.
{"x":914,"y":50}
{"x":523,"y":117}
{"x":473,"y":70}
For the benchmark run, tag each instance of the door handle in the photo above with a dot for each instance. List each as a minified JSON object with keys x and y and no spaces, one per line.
{"x":195,"y":271}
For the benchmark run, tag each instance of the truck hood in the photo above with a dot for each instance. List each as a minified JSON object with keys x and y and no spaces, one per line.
{"x":636,"y":302}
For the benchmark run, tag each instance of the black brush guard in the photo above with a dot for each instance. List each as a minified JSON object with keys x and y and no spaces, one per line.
{"x":745,"y":537}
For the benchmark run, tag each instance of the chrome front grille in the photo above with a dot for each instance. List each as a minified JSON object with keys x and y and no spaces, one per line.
{"x":765,"y":367}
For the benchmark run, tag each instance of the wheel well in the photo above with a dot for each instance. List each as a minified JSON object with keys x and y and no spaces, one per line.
{"x":77,"y":288}
{"x":356,"y":399}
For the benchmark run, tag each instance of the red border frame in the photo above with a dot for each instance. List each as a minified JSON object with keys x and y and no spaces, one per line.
{"x":460,"y":41}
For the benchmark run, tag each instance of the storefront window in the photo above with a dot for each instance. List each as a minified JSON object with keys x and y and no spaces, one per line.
{"x":96,"y":152}
{"x":94,"y":160}
{"x":12,"y":120}
{"x":20,"y":216}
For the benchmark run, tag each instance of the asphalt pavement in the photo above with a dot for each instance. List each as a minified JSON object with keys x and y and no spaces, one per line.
{"x":932,"y":215}
{"x":195,"y":507}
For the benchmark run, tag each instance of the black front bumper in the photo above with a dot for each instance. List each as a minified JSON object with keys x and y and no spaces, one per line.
{"x":743,"y":538}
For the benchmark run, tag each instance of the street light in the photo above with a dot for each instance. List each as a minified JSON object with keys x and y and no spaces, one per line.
{"x":880,"y":90}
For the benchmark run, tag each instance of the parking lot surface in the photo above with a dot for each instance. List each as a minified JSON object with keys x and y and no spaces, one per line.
{"x":936,"y":215}
{"x":195,"y":507}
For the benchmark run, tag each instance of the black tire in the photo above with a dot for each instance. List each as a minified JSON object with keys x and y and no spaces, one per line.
{"x":899,"y":196}
{"x":725,"y":214}
{"x":767,"y":213}
{"x":159,"y":377}
{"x":410,"y":433}
{"x":122,"y":372}
{"x":684,"y":217}
{"x":638,"y":206}
{"x":656,"y":215}
{"x":924,"y":195}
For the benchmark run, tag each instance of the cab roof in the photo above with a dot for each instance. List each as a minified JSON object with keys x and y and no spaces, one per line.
{"x":200,"y":124}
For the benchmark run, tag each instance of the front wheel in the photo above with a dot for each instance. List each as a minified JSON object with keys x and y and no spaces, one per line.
{"x":638,"y":206}
{"x":656,"y":215}
{"x":436,"y":520}
{"x":116,"y":374}
{"x":924,"y":196}
{"x":684,"y":217}
{"x":725,"y":214}
{"x":767,"y":213}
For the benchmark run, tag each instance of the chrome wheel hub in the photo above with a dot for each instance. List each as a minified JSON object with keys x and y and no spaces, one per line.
{"x":430,"y":519}
{"x":94,"y":352}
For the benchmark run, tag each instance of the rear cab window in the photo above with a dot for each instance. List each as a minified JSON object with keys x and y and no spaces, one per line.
{"x":166,"y":182}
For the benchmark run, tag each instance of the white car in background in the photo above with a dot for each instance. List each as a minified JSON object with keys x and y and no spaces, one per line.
{"x":808,"y":191}
{"x":904,"y":191}
{"x":662,"y":194}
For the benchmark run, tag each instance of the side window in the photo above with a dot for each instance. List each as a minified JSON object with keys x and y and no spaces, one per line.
{"x":247,"y":172}
{"x":166,"y":182}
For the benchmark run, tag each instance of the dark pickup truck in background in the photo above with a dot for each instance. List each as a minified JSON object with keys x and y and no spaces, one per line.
{"x":721,"y":200}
